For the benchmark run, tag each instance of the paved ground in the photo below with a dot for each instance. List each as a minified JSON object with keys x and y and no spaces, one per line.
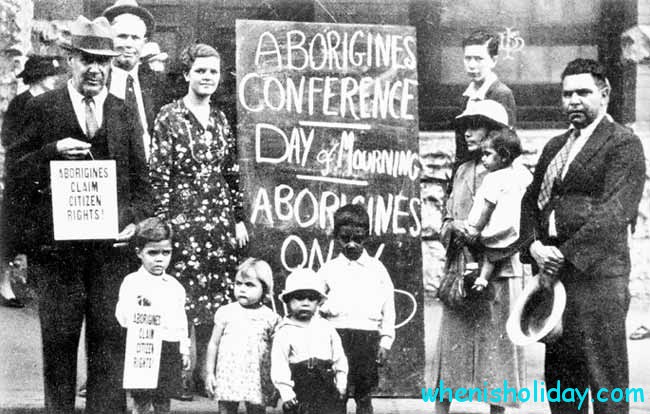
{"x":21,"y":389}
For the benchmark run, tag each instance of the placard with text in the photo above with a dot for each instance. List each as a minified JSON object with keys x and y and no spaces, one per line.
{"x":143,"y":347}
{"x":327,"y":115}
{"x":84,"y":199}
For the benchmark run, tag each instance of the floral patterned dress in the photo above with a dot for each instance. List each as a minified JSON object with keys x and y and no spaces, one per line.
{"x":243,"y":369}
{"x":195,"y":179}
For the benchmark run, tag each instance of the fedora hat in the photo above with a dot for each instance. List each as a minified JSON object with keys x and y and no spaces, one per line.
{"x":537,"y":314}
{"x":131,"y":7}
{"x":151,"y":51}
{"x":303,"y":279}
{"x":39,"y":67}
{"x":93,"y":38}
{"x":487,"y":110}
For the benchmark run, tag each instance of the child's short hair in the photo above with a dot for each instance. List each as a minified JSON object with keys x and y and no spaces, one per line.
{"x":506,"y":143}
{"x":351,"y":214}
{"x":152,"y":230}
{"x":259,"y":269}
{"x":480,"y":37}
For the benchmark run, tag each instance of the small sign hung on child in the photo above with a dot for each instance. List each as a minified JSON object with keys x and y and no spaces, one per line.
{"x":84,"y":200}
{"x":143,"y":345}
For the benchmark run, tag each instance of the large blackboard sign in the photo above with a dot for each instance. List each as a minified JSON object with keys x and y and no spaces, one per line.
{"x":327,"y":115}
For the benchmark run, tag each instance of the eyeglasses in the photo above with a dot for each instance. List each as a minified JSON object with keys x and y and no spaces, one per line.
{"x":307,"y":294}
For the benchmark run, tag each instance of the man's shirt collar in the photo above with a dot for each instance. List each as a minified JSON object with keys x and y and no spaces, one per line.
{"x":118,"y":80}
{"x":478,"y":94}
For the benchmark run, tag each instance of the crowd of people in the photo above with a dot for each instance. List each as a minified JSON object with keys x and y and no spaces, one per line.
{"x":182,"y":230}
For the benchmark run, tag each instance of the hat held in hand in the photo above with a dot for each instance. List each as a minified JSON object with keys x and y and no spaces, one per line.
{"x":537,"y":314}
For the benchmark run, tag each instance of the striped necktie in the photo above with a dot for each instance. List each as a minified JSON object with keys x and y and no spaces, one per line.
{"x":554,"y":170}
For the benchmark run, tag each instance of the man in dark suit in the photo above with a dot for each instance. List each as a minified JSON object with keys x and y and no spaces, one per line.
{"x":140,"y":87}
{"x":78,"y":279}
{"x":575,"y":219}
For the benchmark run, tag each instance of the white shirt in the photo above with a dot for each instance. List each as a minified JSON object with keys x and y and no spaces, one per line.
{"x":296,"y":341}
{"x":360,"y":295}
{"x":478,"y":94}
{"x":118,"y":89}
{"x":504,"y":188}
{"x":585,"y":134}
{"x":79,"y":106}
{"x":164,"y":292}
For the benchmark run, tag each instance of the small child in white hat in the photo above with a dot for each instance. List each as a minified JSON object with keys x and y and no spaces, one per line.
{"x":308,"y":365}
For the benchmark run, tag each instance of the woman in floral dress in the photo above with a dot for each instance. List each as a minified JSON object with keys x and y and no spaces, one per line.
{"x":195,"y":178}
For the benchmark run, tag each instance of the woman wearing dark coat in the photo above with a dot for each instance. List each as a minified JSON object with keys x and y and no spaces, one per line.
{"x":42,"y":74}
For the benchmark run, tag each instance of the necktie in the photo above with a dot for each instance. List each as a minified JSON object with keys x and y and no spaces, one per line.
{"x":129,"y":95}
{"x":131,"y":101}
{"x":91,"y":119}
{"x":554,"y":170}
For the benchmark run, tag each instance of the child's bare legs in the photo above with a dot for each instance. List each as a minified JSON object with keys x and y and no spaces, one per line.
{"x":482,"y":280}
{"x":441,"y":407}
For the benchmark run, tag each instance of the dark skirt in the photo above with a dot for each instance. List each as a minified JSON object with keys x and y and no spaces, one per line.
{"x":169,"y":373}
{"x":361,"y":349}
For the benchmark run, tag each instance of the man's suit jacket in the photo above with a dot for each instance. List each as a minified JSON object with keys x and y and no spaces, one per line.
{"x":155,"y":93}
{"x":594,"y":203}
{"x":51,"y":118}
{"x":501,"y":93}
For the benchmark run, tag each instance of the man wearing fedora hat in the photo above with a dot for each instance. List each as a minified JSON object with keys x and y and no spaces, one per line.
{"x":152,"y":56}
{"x":141,"y":88}
{"x":576,"y":217}
{"x":80,"y":279}
{"x":41,"y":73}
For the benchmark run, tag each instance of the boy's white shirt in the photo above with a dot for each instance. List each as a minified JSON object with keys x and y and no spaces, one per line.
{"x":164,"y":290}
{"x":296,"y":341}
{"x":360,"y":295}
{"x":478,"y":94}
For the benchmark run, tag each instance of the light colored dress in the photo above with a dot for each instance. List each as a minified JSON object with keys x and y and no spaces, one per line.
{"x":474,"y":346}
{"x":195,"y":180}
{"x":243,"y":370}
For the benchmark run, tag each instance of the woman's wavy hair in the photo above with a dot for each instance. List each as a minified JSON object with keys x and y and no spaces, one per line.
{"x":198,"y":50}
